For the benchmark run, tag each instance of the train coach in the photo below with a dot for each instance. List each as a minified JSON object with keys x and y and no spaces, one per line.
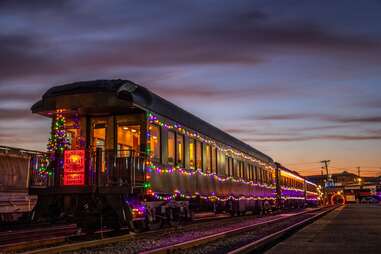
{"x":15,"y":165}
{"x":122,"y":155}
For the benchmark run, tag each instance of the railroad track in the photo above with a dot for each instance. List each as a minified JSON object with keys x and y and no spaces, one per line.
{"x":168,"y":239}
{"x":35,"y":237}
{"x":248,"y":239}
{"x":13,"y":240}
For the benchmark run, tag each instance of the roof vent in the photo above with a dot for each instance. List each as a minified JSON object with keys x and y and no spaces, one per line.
{"x":127,"y":87}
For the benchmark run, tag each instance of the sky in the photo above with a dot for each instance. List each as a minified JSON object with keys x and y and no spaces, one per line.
{"x":298,"y":80}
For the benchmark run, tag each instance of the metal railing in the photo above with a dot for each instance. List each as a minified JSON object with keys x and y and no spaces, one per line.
{"x":118,"y":168}
{"x":104,"y":168}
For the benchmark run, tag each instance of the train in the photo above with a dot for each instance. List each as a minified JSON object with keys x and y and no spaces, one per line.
{"x":120,"y":155}
{"x":15,"y":165}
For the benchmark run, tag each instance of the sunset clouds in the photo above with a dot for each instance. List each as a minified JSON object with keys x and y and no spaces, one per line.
{"x":285,"y":76}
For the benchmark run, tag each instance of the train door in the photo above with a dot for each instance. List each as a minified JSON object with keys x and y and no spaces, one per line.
{"x":128,"y":143}
{"x":98,"y":139}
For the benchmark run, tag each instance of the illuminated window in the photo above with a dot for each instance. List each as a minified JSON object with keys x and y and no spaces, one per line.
{"x":192,"y":153}
{"x":226,"y":166}
{"x":249,"y":172}
{"x":98,"y":140}
{"x":214,"y":159}
{"x":260,"y":175}
{"x":199,"y":154}
{"x":265,"y":180}
{"x":236,"y":169}
{"x":180,"y":150}
{"x":155,"y":142}
{"x":242,"y":169}
{"x":171,"y":147}
{"x":239,"y":173}
{"x":231,"y":167}
{"x":128,"y":138}
{"x":208,"y":159}
{"x":72,"y":134}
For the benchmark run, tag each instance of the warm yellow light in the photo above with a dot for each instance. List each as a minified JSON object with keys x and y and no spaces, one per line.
{"x":133,"y":130}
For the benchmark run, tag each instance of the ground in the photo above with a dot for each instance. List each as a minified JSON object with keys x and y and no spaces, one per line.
{"x":353,"y":228}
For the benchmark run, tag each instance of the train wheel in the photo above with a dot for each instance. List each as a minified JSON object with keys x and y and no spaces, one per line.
{"x":139,"y":226}
{"x":174,"y":217}
{"x":156,"y":224}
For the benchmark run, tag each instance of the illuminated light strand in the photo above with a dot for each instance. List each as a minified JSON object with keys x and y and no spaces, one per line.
{"x":182,"y":171}
{"x":293,"y":198}
{"x":291,"y":188}
{"x":291,"y":175}
{"x":311,"y":183}
{"x":312,"y":193}
{"x":178,"y":194}
{"x":154,"y":120}
{"x":57,"y":143}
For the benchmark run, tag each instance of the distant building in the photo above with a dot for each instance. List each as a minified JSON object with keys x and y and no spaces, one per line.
{"x":353,"y":187}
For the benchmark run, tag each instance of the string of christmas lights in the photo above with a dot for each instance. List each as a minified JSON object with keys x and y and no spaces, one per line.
{"x":154,"y":120}
{"x":170,"y":170}
{"x":152,"y":167}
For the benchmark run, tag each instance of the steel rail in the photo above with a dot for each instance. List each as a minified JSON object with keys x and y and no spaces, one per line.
{"x":276,"y":236}
{"x":202,"y":240}
{"x":45,"y":248}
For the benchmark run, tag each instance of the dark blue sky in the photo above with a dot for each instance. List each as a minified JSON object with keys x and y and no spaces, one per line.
{"x":299,"y":80}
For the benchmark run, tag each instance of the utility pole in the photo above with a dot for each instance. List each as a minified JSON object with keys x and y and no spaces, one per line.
{"x":358,"y":171}
{"x":326,"y":166}
{"x":325,"y":162}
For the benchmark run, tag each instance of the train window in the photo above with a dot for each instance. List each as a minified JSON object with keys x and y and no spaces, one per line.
{"x":227,"y":166}
{"x":208,"y":159}
{"x":192,"y":153}
{"x":155,"y":149}
{"x":260,"y":175}
{"x":72,"y":134}
{"x":251,"y":172}
{"x":180,"y":150}
{"x":171,"y":147}
{"x":199,"y":155}
{"x":98,"y":138}
{"x":232,"y":167}
{"x":242,"y":170}
{"x":264,"y":176}
{"x":128,"y":138}
{"x":214,"y":159}
{"x":238,"y":169}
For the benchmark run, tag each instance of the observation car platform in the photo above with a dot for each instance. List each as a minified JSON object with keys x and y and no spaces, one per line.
{"x":353,"y":228}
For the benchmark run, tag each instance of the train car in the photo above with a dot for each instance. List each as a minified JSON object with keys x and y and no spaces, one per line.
{"x":313,"y":193}
{"x":15,"y":165}
{"x":291,"y":188}
{"x":121,"y":153}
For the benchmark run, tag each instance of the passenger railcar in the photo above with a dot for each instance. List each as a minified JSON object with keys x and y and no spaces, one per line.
{"x":15,"y":165}
{"x":121,"y":153}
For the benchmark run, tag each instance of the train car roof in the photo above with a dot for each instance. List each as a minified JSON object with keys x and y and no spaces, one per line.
{"x":293,"y":172}
{"x":142,"y":97}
